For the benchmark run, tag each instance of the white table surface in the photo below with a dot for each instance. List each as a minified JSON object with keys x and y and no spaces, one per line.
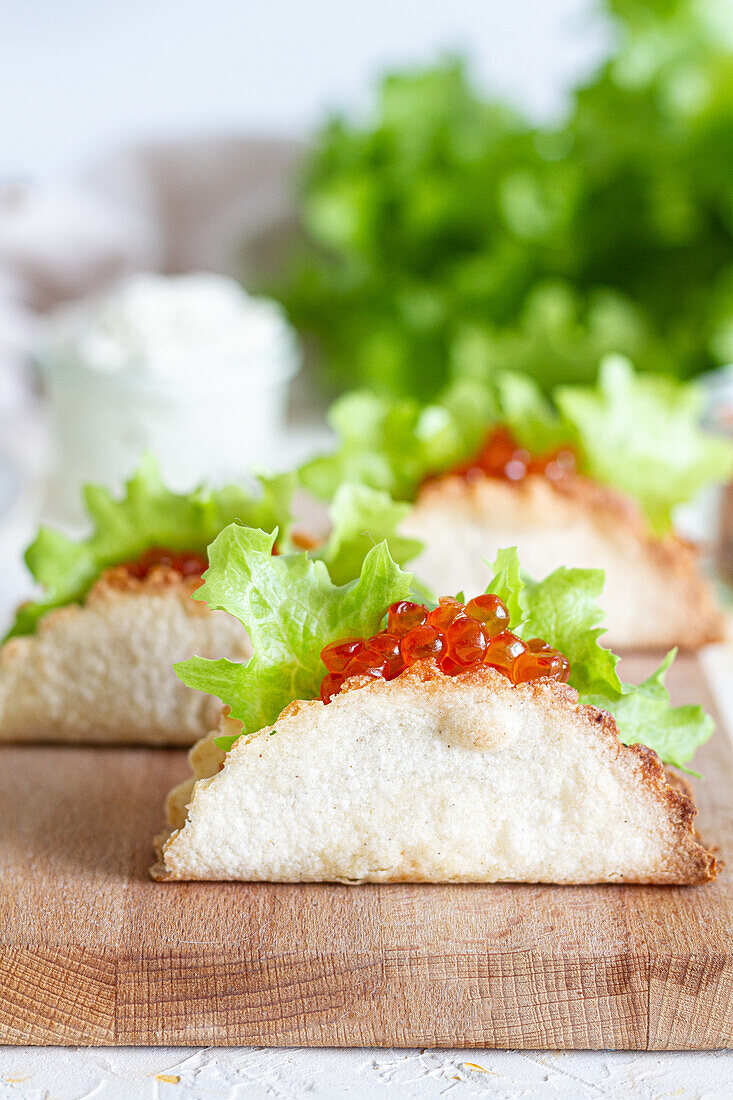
{"x":166,"y":1073}
{"x":184,"y":1074}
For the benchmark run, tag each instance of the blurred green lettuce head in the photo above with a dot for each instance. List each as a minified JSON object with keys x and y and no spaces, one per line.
{"x":447,"y":232}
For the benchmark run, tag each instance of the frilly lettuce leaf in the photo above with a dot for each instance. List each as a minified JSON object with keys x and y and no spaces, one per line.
{"x":641,"y":434}
{"x":360,"y":518}
{"x":394,"y":444}
{"x":637,"y":433}
{"x":508,"y":583}
{"x":643,"y":715}
{"x":563,"y":609}
{"x":528,"y":413}
{"x":148,"y":514}
{"x":291,"y":609}
{"x":361,"y":424}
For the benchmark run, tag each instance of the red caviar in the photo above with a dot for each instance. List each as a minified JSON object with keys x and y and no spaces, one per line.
{"x":458,"y":636}
{"x":490,"y":611}
{"x":422,"y":642}
{"x":503,"y":651}
{"x":405,"y":615}
{"x":339,"y":654}
{"x":502,"y":455}
{"x":445,"y":613}
{"x":188,"y":563}
{"x":466,"y":641}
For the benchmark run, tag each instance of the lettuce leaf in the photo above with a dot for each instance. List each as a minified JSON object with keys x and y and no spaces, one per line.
{"x":508,"y":583}
{"x":442,"y":210}
{"x":644,"y":715}
{"x":393,"y":445}
{"x":360,"y":518}
{"x":563,"y":609}
{"x":148,"y":515}
{"x":641,"y":434}
{"x":359,"y":421}
{"x":527,"y":412}
{"x":291,"y":609}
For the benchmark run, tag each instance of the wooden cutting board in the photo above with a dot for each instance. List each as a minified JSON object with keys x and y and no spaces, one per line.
{"x":93,"y":952}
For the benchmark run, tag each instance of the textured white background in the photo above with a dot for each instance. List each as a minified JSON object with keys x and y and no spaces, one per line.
{"x":237,"y":1074}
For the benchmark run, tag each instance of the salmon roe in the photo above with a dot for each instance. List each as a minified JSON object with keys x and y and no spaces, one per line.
{"x":188,"y":564}
{"x":458,"y":636}
{"x":502,"y":455}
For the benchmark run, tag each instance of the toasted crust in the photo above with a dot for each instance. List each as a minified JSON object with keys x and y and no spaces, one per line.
{"x":431,"y":778}
{"x":655,"y":594}
{"x":102,"y":671}
{"x":157,"y":578}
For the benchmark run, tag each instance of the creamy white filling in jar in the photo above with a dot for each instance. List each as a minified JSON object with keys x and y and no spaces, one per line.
{"x":189,"y":367}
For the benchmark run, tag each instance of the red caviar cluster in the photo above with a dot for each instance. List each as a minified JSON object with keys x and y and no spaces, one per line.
{"x":188,"y":564}
{"x":503,"y":456}
{"x":458,"y":636}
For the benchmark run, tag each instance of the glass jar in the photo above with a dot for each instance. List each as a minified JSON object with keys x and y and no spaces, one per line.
{"x":214,"y":428}
{"x":188,"y":368}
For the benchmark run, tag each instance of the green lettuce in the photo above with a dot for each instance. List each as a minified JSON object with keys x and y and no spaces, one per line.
{"x":394,"y":445}
{"x":563,"y":609}
{"x":360,"y":518}
{"x":148,"y":514}
{"x":441,"y":216}
{"x":677,"y":731}
{"x":529,"y":414}
{"x":637,"y":433}
{"x":291,"y":609}
{"x":641,"y":434}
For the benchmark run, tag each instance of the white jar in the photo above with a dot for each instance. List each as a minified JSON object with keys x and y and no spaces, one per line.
{"x":189,"y":368}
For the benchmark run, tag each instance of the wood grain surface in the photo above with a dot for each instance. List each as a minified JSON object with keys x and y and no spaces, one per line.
{"x":93,"y":952}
